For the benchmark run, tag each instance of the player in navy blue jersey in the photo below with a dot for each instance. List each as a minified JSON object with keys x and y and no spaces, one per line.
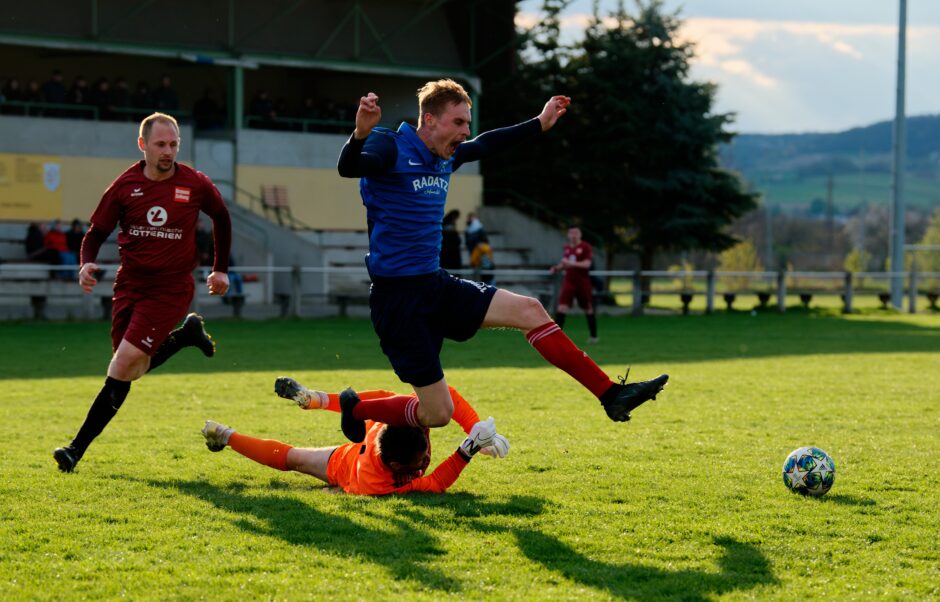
{"x":404,"y":177}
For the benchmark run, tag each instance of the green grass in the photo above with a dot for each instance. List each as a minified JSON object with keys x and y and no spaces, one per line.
{"x":686,"y":502}
{"x":849,"y":190}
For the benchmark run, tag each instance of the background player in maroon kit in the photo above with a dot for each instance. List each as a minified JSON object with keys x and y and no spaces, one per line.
{"x":157,"y":203}
{"x":576,"y":262}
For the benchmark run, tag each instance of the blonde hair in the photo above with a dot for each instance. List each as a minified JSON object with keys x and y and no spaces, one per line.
{"x":147,"y":124}
{"x":435,"y":97}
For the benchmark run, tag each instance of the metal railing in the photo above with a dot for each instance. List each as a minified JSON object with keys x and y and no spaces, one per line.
{"x":322,"y":290}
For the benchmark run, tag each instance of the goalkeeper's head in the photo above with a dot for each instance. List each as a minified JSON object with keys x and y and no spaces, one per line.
{"x":404,"y":448}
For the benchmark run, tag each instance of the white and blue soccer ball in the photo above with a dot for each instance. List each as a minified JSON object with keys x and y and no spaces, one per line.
{"x":810,"y":471}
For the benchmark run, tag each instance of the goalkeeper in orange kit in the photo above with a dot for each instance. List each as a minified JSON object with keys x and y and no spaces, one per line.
{"x":391,"y":459}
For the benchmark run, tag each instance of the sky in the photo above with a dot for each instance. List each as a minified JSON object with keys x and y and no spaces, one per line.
{"x":799,"y":65}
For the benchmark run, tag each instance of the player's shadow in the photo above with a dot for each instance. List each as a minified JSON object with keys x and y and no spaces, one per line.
{"x":404,"y":549}
{"x":741,"y":566}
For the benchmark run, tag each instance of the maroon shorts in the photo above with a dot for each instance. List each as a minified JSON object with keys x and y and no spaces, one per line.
{"x":579,"y":289}
{"x":145,"y":314}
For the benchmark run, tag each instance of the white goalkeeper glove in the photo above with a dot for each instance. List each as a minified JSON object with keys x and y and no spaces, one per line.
{"x":499,"y":449}
{"x":481,"y":436}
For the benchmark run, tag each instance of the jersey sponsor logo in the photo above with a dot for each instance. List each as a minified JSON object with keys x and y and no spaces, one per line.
{"x":430,"y":185}
{"x":182,"y":194}
{"x":156,"y":216}
{"x":137,"y":192}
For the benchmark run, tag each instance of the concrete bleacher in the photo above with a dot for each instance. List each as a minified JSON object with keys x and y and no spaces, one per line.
{"x":30,"y":289}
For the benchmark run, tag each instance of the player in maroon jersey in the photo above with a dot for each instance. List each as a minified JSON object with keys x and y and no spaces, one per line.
{"x":576,"y":262}
{"x":156,"y":202}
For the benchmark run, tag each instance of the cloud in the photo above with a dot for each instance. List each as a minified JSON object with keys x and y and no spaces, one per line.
{"x":786,"y":75}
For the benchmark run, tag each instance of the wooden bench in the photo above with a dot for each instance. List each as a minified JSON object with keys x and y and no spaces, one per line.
{"x":274,"y":199}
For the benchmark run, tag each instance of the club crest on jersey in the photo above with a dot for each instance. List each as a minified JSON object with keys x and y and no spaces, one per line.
{"x":182,"y":194}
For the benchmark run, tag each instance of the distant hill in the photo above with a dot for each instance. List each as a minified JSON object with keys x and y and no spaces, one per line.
{"x":794,"y":169}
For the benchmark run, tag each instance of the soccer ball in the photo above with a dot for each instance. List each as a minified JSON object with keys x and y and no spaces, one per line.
{"x":809,"y":470}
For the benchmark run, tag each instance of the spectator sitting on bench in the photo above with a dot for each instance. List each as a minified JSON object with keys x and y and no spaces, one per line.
{"x":74,"y":237}
{"x":35,"y":244}
{"x":55,"y":240}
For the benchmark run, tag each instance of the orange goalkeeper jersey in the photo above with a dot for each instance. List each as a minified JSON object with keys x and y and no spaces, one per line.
{"x":358,"y":467}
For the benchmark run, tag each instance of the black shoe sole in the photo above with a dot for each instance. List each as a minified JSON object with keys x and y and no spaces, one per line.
{"x":64,"y":459}
{"x":286,"y":387}
{"x":355,"y":430}
{"x":195,"y":328}
{"x":619,"y":409}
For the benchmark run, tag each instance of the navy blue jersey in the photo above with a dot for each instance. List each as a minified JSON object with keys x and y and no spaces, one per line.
{"x":404,"y":189}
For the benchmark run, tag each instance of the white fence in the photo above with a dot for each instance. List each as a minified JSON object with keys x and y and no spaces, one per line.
{"x":34,"y":290}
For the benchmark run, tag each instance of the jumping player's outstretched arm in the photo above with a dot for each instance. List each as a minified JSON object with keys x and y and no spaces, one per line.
{"x":361,"y":158}
{"x":493,"y":141}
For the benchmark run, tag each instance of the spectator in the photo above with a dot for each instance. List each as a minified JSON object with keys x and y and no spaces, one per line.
{"x":100,"y":97}
{"x":35,"y":244}
{"x":120,"y":98}
{"x":482,"y":259}
{"x":12,"y":92}
{"x":142,"y":99}
{"x":33,"y":93}
{"x":53,"y":91}
{"x":206,"y":112}
{"x":204,"y":245}
{"x":309,"y":110}
{"x":450,"y":242}
{"x":55,"y":240}
{"x":474,"y":233}
{"x":74,"y":237}
{"x":165,"y":98}
{"x":79,"y":95}
{"x":262,"y":107}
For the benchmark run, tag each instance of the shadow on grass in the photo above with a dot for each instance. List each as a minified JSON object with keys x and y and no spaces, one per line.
{"x":741,"y":566}
{"x":286,"y":346}
{"x":403,"y":547}
{"x":847,"y":500}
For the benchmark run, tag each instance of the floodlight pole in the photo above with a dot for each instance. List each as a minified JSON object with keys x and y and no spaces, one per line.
{"x":900,"y":145}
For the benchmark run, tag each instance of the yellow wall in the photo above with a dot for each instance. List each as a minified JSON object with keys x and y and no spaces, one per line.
{"x":318,"y":197}
{"x":85,"y":180}
{"x":27,"y":193}
{"x":324,"y":201}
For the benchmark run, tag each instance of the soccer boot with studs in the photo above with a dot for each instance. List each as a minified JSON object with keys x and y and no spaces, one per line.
{"x":66,"y":457}
{"x":307,"y":399}
{"x":626,"y":397}
{"x":354,"y":429}
{"x":194,"y":333}
{"x":216,"y":435}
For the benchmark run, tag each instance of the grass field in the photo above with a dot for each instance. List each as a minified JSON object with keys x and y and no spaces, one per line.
{"x":685,"y":502}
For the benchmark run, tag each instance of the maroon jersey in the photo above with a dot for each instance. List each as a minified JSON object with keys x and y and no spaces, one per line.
{"x":158,"y":222}
{"x":578,"y":252}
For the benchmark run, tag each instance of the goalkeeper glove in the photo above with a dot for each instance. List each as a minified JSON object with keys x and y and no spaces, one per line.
{"x":499,"y":449}
{"x":481,"y":436}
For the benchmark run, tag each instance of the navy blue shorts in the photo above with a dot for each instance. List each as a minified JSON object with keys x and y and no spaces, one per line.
{"x":414,"y":314}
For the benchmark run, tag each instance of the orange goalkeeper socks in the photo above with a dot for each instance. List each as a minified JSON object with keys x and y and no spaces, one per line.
{"x":263,"y":451}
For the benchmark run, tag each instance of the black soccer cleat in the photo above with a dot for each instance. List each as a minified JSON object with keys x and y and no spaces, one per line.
{"x":630,"y":396}
{"x":194,"y":331}
{"x":355,"y":430}
{"x":66,"y":457}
